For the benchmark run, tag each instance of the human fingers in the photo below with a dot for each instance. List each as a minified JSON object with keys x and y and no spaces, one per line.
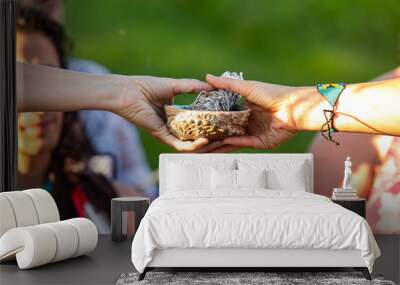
{"x":245,"y":141}
{"x":210,"y":147}
{"x":188,"y":85}
{"x":226,"y":149}
{"x":188,"y":146}
{"x":243,"y":87}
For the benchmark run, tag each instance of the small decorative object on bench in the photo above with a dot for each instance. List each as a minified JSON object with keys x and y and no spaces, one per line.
{"x":347,"y":192}
{"x":347,"y":196}
{"x":213,"y":115}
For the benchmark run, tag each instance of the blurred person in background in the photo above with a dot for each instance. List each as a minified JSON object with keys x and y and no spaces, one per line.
{"x":376,"y":171}
{"x":108,"y":133}
{"x":279,"y":112}
{"x":54,"y":150}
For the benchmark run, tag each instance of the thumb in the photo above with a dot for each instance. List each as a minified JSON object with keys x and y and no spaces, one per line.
{"x":243,"y":87}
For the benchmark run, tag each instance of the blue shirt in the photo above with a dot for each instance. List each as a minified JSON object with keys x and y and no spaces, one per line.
{"x":112,"y":135}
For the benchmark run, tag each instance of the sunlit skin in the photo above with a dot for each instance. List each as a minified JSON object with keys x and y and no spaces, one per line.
{"x":278,"y":112}
{"x":368,"y":151}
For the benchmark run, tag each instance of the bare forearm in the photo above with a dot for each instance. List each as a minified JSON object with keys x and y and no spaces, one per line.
{"x":42,"y":88}
{"x":365,"y":108}
{"x":138,"y":99}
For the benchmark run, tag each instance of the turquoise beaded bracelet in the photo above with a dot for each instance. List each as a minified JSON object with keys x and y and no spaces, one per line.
{"x":331,"y":93}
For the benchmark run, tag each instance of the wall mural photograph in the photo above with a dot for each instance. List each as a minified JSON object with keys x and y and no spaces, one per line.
{"x":187,"y":130}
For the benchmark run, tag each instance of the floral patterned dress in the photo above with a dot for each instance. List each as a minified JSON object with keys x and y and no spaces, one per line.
{"x":383,"y":206}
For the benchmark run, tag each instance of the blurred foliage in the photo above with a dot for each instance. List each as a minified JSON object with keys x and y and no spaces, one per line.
{"x":288,"y":42}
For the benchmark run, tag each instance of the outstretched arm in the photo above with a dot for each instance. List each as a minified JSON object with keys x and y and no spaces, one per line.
{"x":43,"y":88}
{"x":139,"y":99}
{"x":278,"y":112}
{"x":371,"y":107}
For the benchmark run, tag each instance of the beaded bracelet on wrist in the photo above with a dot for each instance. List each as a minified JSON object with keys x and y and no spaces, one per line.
{"x":331,"y":93}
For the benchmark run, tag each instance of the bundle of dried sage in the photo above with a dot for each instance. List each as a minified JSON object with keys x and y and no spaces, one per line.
{"x":219,"y":100}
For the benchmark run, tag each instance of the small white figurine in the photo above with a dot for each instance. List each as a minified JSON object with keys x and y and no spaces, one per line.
{"x":347,"y":174}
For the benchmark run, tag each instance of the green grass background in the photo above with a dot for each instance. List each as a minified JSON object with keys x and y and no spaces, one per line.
{"x":288,"y":42}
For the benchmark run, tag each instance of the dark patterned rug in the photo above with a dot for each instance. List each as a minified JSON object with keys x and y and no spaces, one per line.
{"x":243,"y":278}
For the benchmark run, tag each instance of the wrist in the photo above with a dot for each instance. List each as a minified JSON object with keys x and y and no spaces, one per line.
{"x":120,"y":93}
{"x":307,"y":107}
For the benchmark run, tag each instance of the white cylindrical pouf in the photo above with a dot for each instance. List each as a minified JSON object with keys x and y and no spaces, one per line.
{"x":67,"y":239}
{"x":87,"y":234}
{"x":45,"y":206}
{"x":34,"y":246}
{"x":23,"y":208}
{"x":7,"y":218}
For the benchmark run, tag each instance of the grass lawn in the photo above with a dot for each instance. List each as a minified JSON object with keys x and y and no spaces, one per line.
{"x":288,"y":42}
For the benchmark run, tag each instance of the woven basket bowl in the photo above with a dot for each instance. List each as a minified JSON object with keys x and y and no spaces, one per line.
{"x":187,"y":124}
